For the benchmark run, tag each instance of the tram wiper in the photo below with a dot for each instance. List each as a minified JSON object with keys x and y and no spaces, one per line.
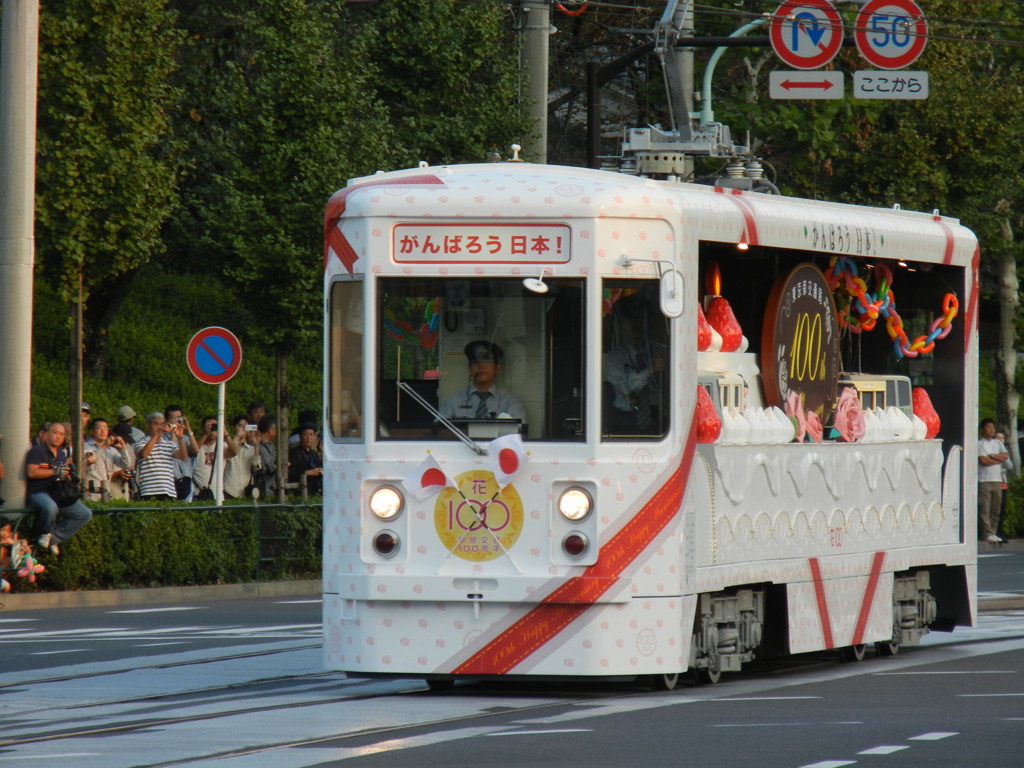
{"x":474,"y":446}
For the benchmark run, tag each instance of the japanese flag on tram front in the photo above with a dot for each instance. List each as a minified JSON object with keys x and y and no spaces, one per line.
{"x":508,"y":456}
{"x":427,"y":480}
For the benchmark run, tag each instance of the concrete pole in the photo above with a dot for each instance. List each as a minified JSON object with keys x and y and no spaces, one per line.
{"x":19,"y":47}
{"x":534,"y":96}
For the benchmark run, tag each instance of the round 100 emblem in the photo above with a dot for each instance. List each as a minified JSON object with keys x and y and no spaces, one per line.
{"x":477,"y":520}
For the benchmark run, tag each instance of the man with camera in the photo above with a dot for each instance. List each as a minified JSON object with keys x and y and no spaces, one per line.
{"x":202,"y":470}
{"x":156,"y":455}
{"x":173,"y":414}
{"x":104,"y":456}
{"x":53,"y":490}
{"x":238,"y":470}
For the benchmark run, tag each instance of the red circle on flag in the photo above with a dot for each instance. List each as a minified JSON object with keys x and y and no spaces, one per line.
{"x":433,"y":476}
{"x":508,"y":460}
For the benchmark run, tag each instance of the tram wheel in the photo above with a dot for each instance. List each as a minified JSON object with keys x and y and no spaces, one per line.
{"x":665,"y":682}
{"x":707,"y":676}
{"x":440,"y":685}
{"x":854,"y":652}
{"x":888,"y":648}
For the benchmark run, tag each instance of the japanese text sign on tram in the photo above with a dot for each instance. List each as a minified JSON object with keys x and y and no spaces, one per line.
{"x":214,"y":355}
{"x":806,"y":34}
{"x":891,"y":34}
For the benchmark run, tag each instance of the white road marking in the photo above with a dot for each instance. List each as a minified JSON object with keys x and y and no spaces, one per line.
{"x":830,"y":764}
{"x":157,"y":645}
{"x":934,"y":736}
{"x":883,"y":750}
{"x":62,"y":650}
{"x":540,"y":733}
{"x":162,"y":610}
{"x":952,"y":672}
{"x":21,"y":758}
{"x":768,"y":698}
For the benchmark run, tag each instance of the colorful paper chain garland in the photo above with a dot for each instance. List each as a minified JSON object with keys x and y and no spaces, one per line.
{"x":864,"y":309}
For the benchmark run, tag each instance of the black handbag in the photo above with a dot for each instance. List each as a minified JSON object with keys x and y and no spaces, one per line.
{"x":66,"y":492}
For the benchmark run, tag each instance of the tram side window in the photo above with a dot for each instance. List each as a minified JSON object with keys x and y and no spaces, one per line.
{"x":488,"y":355}
{"x":345,"y":368}
{"x":635,"y":369}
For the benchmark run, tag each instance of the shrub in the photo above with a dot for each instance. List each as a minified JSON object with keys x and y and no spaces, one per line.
{"x":184,"y":545}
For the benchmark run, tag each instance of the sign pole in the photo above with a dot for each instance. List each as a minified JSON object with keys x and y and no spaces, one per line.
{"x":218,"y":461}
{"x":214,"y":356}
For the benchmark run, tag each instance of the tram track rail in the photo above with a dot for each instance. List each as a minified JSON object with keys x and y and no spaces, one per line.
{"x":75,"y":716}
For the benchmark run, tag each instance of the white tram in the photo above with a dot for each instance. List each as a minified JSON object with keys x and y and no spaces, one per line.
{"x":729,"y":510}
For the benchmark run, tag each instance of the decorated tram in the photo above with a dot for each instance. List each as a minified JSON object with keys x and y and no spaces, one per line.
{"x":721,"y":425}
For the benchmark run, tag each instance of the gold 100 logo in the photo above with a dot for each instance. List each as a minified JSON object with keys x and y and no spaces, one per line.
{"x":806,"y":354}
{"x":478,"y":520}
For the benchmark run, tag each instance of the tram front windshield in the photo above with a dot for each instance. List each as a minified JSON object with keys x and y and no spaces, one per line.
{"x":490,"y":355}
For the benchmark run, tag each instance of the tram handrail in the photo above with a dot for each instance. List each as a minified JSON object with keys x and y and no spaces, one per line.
{"x":472,"y":444}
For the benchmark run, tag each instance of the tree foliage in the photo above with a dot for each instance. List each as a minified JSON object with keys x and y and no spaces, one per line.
{"x":106,"y":173}
{"x":276,"y":112}
{"x":448,"y":77}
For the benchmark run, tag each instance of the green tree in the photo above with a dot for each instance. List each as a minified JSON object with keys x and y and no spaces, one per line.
{"x":106,"y":174}
{"x":448,"y":77}
{"x":277,"y":113}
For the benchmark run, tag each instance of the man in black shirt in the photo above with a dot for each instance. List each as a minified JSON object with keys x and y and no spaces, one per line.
{"x":303,"y":459}
{"x":46,"y":466}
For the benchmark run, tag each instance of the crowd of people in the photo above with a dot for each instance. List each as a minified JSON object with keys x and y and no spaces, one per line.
{"x":166,"y":461}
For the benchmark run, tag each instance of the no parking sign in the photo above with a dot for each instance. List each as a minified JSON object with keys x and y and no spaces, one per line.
{"x":214,"y":355}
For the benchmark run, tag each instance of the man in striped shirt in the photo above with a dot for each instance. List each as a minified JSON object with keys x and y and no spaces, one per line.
{"x":156,"y":455}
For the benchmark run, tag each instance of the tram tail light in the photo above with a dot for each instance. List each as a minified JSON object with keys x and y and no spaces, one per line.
{"x":385,"y":543}
{"x":386,"y":503}
{"x":575,"y":544}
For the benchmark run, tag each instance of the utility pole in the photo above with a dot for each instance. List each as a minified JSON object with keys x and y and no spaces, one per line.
{"x":534,"y":65}
{"x":19,"y":48}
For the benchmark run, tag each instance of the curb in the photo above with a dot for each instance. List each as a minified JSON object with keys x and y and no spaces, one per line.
{"x":156,"y":595}
{"x":313,"y":587}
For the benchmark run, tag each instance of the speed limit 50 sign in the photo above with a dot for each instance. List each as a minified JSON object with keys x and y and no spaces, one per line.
{"x":891,"y":34}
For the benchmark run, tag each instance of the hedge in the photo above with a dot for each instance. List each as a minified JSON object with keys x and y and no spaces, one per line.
{"x":184,"y":545}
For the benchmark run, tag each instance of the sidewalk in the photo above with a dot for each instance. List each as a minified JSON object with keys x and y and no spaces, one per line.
{"x":158,"y":595}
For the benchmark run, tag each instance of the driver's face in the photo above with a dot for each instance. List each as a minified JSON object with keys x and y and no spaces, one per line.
{"x":483,"y":374}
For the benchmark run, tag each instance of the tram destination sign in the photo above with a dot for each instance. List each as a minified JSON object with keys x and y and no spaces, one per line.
{"x":491,"y":243}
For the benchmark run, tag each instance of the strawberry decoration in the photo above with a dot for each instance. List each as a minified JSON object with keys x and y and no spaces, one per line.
{"x":709,"y":424}
{"x":924,"y":410}
{"x":721,"y":318}
{"x":703,"y":331}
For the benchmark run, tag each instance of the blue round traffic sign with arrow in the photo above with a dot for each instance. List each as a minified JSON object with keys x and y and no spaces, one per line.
{"x":806,"y":34}
{"x":214,"y":355}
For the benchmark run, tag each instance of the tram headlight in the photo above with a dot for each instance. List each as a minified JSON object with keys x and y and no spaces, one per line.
{"x":386,"y":503}
{"x":574,"y":504}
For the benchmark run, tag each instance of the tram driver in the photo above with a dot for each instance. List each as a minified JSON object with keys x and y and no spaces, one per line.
{"x":482,"y":398}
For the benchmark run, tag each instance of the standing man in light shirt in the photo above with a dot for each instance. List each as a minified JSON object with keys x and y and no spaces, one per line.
{"x":991,"y":455}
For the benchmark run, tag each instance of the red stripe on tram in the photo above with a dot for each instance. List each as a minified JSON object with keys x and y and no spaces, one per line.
{"x":502,"y":654}
{"x":819,"y":593}
{"x":869,"y":598}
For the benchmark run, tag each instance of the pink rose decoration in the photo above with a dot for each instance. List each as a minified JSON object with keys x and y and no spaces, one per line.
{"x":795,"y":411}
{"x":814,"y":429}
{"x":849,"y":420}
